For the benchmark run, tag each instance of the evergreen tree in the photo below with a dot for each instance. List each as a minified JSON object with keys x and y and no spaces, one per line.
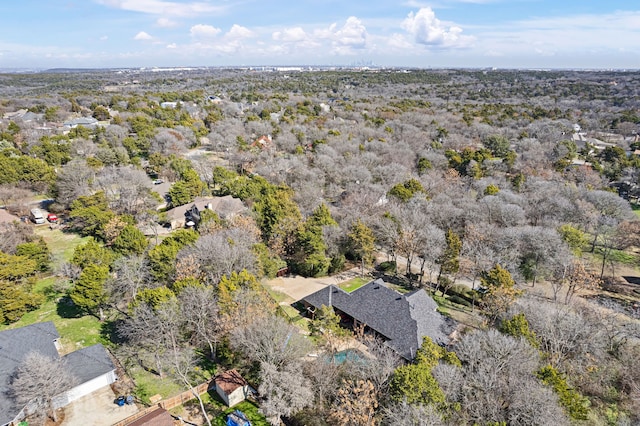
{"x":450,"y":259}
{"x":88,"y":293}
{"x":362,"y":243}
{"x":130,"y":241}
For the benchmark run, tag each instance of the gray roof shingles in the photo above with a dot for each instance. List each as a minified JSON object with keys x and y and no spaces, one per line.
{"x":86,"y":364}
{"x":404,"y":319}
{"x":15,"y":344}
{"x":89,"y":363}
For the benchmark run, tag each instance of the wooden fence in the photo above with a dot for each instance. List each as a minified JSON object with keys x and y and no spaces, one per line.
{"x":167,"y":404}
{"x":180,"y":399}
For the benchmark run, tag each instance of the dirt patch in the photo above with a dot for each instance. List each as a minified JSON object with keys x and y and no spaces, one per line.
{"x":297,"y":287}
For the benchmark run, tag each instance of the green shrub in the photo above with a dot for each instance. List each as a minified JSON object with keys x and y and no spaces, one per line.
{"x":388,"y":267}
{"x":142,"y":393}
{"x":575,"y":404}
{"x":461,"y":290}
{"x":337,"y":264}
{"x":460,"y":301}
{"x":518,"y":326}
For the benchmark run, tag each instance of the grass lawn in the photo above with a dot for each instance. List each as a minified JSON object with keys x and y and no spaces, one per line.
{"x":353,"y":284}
{"x":214,"y":405}
{"x":621,"y":257}
{"x":153,"y":384}
{"x":461,"y":314}
{"x":399,"y":288}
{"x":278,"y":296}
{"x":76,"y":330}
{"x":249,"y":409}
{"x":296,"y":317}
{"x":61,"y":244}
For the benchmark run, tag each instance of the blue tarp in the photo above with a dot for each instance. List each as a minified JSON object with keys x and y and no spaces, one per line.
{"x":237,"y":418}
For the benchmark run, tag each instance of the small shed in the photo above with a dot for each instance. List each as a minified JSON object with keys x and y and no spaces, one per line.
{"x":232,"y":387}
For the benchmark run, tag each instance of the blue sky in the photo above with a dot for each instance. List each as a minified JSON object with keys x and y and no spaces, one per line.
{"x":412,"y":33}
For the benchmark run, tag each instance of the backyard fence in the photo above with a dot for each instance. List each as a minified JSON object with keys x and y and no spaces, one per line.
{"x":167,"y":404}
{"x":180,"y":399}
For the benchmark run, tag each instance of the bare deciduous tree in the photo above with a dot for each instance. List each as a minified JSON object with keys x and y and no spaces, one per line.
{"x":496,"y":382}
{"x":38,"y":380}
{"x":73,"y":181}
{"x":199,"y":307}
{"x":379,"y":368}
{"x":325,"y":377}
{"x":284,"y":391}
{"x":127,"y":189}
{"x":565,"y":334}
{"x":160,"y":333}
{"x":131,"y":276}
{"x":271,"y":341}
{"x":222,"y":253}
{"x":356,"y":404}
{"x":404,"y":414}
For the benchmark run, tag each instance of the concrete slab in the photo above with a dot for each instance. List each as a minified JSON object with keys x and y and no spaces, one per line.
{"x":97,"y":409}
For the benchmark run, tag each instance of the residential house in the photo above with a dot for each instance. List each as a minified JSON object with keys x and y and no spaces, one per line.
{"x":402,"y":320}
{"x":263,"y":142}
{"x":232,"y":387}
{"x":88,"y":122}
{"x":171,"y":105}
{"x":15,"y":114}
{"x":226,"y":207}
{"x":581,"y":140}
{"x":92,"y":366}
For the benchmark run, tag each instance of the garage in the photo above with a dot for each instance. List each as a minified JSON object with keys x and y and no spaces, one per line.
{"x":93,"y":370}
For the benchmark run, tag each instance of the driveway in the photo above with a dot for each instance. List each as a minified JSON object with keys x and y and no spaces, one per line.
{"x":97,"y":409}
{"x":297,"y":287}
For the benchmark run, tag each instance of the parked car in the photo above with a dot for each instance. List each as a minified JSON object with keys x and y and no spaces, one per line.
{"x":36,"y":216}
{"x":158,"y":181}
{"x":52,"y":218}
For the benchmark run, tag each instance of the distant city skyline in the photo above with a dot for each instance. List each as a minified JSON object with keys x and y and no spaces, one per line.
{"x":41,"y":34}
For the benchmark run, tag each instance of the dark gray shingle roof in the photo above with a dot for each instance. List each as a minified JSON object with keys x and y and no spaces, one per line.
{"x":89,"y":363}
{"x":403,"y":319}
{"x":15,"y":344}
{"x":86,"y":364}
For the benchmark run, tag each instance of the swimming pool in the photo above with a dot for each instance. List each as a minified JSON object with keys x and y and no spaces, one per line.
{"x":350,"y":355}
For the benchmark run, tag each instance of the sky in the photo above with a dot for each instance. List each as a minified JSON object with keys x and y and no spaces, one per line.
{"x":40,"y":34}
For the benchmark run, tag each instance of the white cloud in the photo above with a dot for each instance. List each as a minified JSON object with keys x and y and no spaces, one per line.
{"x":238,"y":32}
{"x":353,"y":35}
{"x":202,"y":31}
{"x":172,"y":46}
{"x":142,"y":36}
{"x":429,"y":30}
{"x":165,"y":8}
{"x":104,"y":37}
{"x":293,"y":41}
{"x":398,"y":41}
{"x":166,"y":23}
{"x":290,"y":35}
{"x":346,"y":40}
